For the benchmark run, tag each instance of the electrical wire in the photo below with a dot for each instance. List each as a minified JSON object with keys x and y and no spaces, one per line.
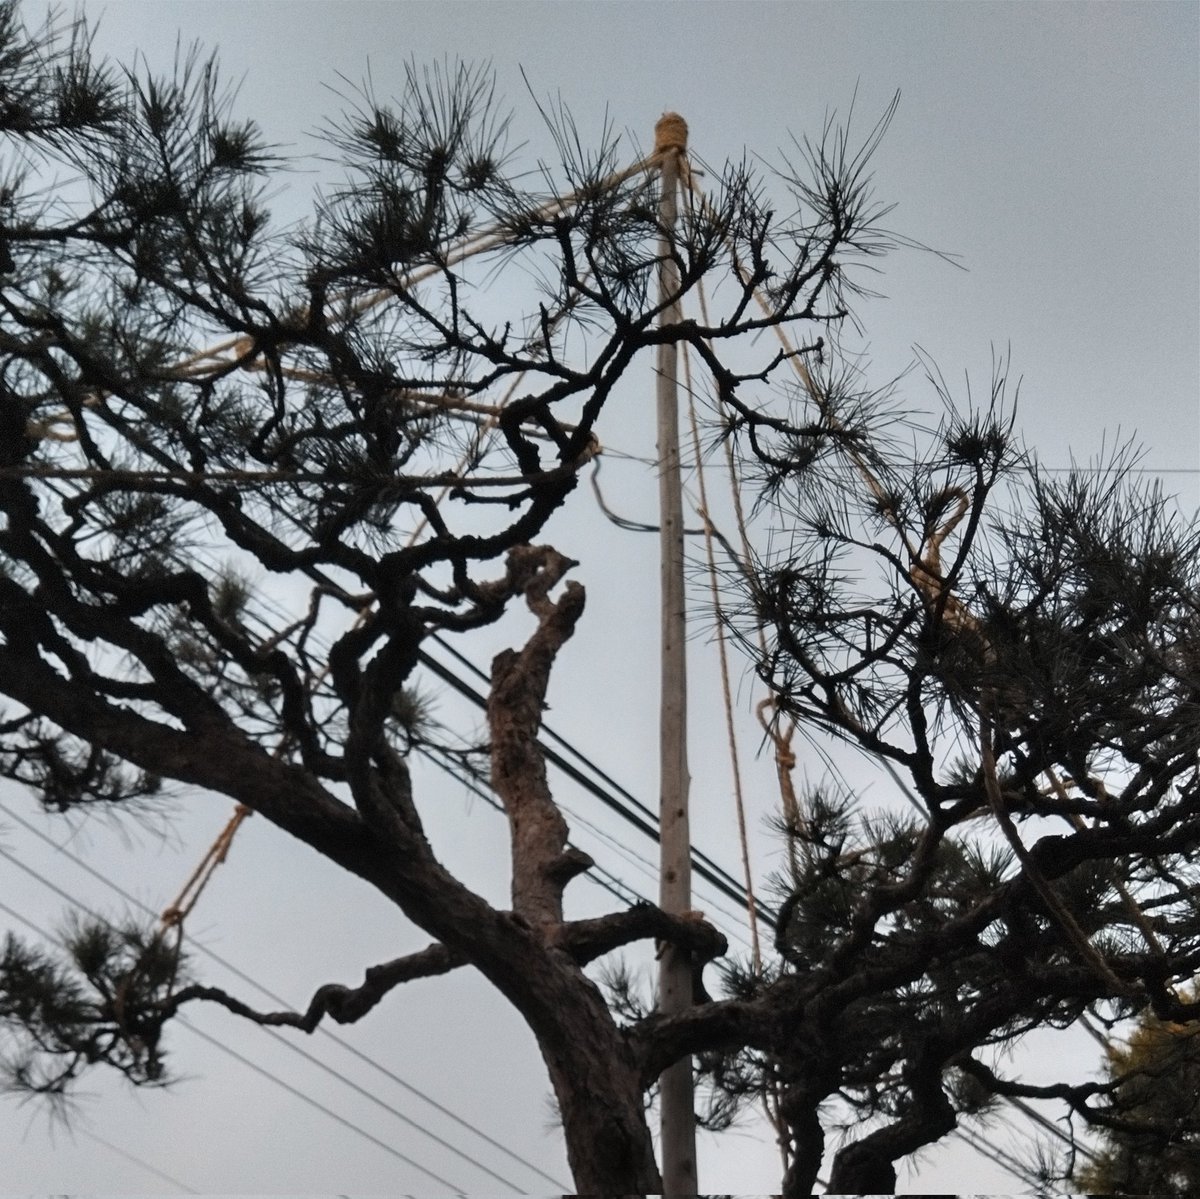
{"x":608,"y":881}
{"x":387,"y":1107}
{"x":224,"y":963}
{"x":137,"y":1161}
{"x":308,"y":1099}
{"x":705,"y":868}
{"x":477,"y":790}
{"x":996,"y":1154}
{"x":1029,"y":1112}
{"x":598,"y":874}
{"x":233,"y":1053}
{"x":646,"y":821}
{"x":612,"y":794}
{"x":643,"y":817}
{"x":1033,"y":1114}
{"x":12,"y":914}
{"x":262,"y":1070}
{"x":1005,"y":1160}
{"x":1129,"y":470}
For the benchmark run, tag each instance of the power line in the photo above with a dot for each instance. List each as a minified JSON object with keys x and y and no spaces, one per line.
{"x":1005,"y":1160}
{"x":598,"y":874}
{"x":1128,"y":470}
{"x":1012,"y":1164}
{"x":254,"y":1066}
{"x":642,"y":817}
{"x":628,"y":805}
{"x":704,"y":866}
{"x":263,"y":990}
{"x":630,"y":816}
{"x":137,"y":1161}
{"x":996,"y":1154}
{"x":473,"y":781}
{"x":466,"y":780}
{"x":212,"y":1040}
{"x":612,"y":794}
{"x":301,"y":1095}
{"x":636,"y":813}
{"x":1049,"y":1125}
{"x":552,"y":756}
{"x":387,"y":1107}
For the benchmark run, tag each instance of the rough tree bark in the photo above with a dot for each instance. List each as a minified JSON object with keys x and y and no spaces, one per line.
{"x":595,"y":1076}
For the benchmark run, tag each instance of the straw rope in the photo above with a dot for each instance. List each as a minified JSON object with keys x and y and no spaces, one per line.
{"x":670,"y":134}
{"x":785,"y":758}
{"x":785,"y":761}
{"x":924,"y":572}
{"x":723,"y":657}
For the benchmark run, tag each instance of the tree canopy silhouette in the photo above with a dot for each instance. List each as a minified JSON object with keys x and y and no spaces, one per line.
{"x":247,"y":471}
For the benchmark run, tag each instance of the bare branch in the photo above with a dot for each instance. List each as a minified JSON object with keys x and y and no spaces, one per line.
{"x":342,"y":1004}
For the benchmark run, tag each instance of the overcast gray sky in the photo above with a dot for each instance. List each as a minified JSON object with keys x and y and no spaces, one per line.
{"x":1052,"y":146}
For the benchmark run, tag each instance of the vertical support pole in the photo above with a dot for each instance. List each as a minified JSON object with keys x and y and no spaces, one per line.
{"x":676,"y":1088}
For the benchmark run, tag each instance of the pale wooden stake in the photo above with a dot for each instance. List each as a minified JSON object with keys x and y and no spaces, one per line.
{"x":676,"y":1095}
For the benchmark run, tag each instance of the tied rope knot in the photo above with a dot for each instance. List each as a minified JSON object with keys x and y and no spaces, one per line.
{"x":670,"y":133}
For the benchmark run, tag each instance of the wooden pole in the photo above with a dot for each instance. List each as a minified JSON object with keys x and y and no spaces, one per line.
{"x":676,"y":1089}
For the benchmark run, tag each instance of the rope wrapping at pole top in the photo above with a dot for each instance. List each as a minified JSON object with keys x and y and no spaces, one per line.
{"x":670,"y":133}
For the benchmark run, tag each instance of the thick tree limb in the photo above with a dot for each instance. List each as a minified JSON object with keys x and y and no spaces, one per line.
{"x":224,"y":760}
{"x":542,"y":862}
{"x":727,"y":1024}
{"x":587,"y":940}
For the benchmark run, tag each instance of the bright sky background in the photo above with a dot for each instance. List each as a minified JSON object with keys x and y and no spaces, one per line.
{"x":1052,"y":146}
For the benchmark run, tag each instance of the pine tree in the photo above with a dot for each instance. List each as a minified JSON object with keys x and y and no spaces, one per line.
{"x":248,"y":470}
{"x":1150,"y":1121}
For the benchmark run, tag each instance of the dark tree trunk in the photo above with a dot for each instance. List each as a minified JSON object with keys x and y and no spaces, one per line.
{"x":600,"y":1100}
{"x":862,"y":1173}
{"x":808,"y":1146}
